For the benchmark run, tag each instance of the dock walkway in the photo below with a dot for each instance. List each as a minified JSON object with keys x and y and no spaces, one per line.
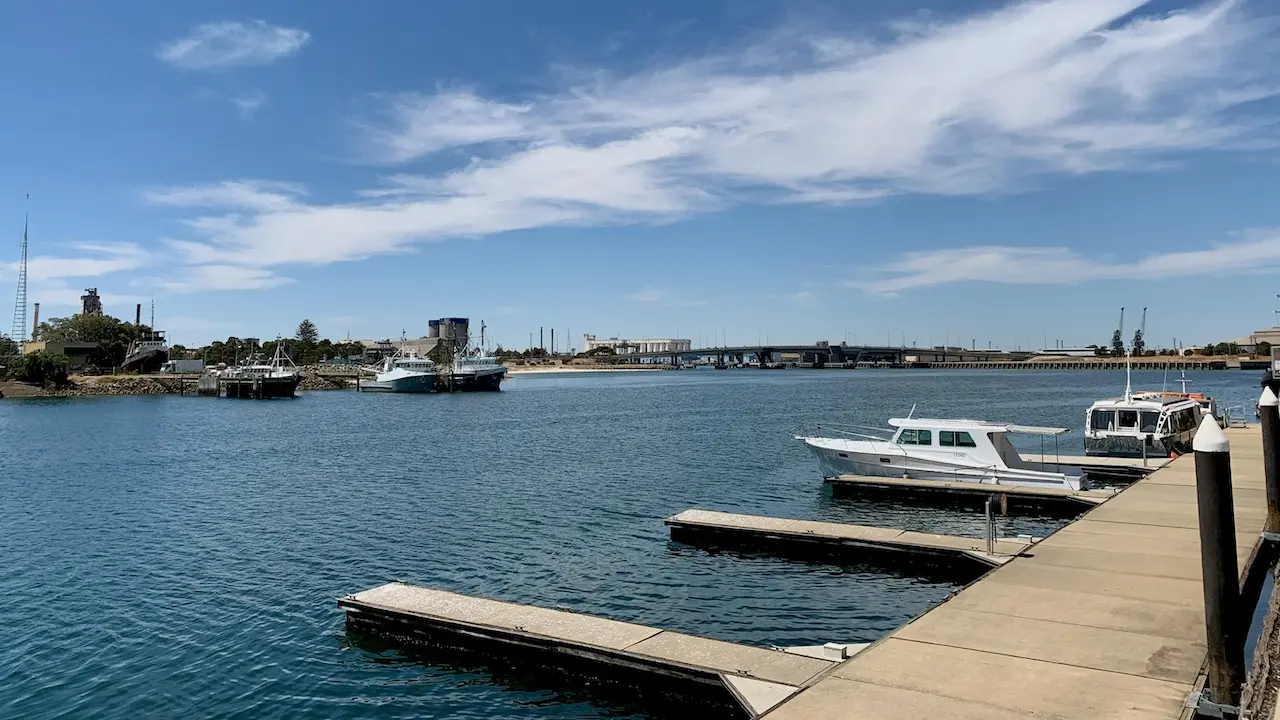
{"x":1102,"y":619}
{"x":1016,"y":497}
{"x":757,"y":678}
{"x":844,"y":538}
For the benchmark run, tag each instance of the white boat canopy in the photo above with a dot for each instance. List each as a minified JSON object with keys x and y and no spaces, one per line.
{"x":975,"y":425}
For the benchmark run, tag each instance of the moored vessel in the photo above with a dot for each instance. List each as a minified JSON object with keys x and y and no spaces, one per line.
{"x":942,"y":450}
{"x":402,"y":373}
{"x":146,"y":354}
{"x":254,"y":378}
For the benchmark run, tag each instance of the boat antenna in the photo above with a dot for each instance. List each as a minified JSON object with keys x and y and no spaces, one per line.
{"x":912,"y":411}
{"x":1128,"y":377}
{"x":1183,"y":380}
{"x":1164,"y":384}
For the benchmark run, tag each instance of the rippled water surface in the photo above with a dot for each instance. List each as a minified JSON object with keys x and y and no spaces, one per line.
{"x":168,"y":556}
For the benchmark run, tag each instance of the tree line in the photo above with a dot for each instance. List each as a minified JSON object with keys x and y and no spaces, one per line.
{"x":304,"y":348}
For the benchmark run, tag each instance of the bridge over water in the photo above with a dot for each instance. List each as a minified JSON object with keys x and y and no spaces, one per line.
{"x":826,"y":354}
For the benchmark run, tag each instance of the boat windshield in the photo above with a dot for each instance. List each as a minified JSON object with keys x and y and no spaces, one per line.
{"x":1103,"y":420}
{"x":915,"y":437}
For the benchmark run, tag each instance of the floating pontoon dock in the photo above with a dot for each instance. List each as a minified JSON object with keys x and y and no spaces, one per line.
{"x":1016,"y":497}
{"x":757,"y":678}
{"x":1127,"y":467}
{"x":859,"y":541}
{"x":1102,"y":619}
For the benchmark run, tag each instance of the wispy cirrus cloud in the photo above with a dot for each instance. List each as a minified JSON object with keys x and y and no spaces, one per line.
{"x":958,"y":106}
{"x":655,"y":295}
{"x":249,"y":103}
{"x":222,"y":277}
{"x":1256,"y":251}
{"x":230,"y":44}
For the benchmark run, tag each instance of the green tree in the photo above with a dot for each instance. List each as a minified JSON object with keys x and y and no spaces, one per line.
{"x":307,"y":332}
{"x":113,"y":337}
{"x":1263,"y":349}
{"x":43,"y":368}
{"x":7,"y":346}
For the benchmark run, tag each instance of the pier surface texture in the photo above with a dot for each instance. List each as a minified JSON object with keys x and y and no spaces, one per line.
{"x":757,"y":677}
{"x":901,"y":543}
{"x":1102,"y":619}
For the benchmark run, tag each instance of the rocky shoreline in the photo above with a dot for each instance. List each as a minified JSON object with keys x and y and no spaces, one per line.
{"x":119,"y":385}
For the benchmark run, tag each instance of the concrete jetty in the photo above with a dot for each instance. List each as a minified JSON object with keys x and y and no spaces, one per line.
{"x":757,"y":678}
{"x":1013,"y":498}
{"x":860,"y":541}
{"x":1104,"y":618}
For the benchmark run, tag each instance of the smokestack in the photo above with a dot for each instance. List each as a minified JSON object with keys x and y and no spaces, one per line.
{"x":542,"y":342}
{"x":137,"y":316}
{"x":35,"y":324}
{"x":553,"y":341}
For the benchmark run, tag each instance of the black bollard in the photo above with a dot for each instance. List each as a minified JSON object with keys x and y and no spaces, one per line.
{"x":1269,"y":415}
{"x":1221,"y":574}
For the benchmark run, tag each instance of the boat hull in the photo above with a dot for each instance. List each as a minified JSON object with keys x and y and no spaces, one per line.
{"x":475,"y":382}
{"x":145,"y":361}
{"x":410,"y":384}
{"x":258,"y":388}
{"x":1121,"y":446}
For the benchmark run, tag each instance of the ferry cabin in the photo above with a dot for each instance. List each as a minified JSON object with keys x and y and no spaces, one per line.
{"x":1138,"y":427}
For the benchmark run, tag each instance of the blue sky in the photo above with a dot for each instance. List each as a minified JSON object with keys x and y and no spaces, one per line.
{"x":988,"y":172}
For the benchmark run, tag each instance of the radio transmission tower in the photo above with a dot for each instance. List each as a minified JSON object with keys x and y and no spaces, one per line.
{"x":20,"y":305}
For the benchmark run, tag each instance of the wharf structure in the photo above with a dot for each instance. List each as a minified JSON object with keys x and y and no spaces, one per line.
{"x":828,"y":355}
{"x":1104,"y":618}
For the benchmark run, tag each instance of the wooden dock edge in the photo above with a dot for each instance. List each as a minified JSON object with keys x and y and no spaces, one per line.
{"x":889,"y":546}
{"x":668,"y":676}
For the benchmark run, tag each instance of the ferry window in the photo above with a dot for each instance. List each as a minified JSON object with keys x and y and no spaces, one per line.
{"x":1128,"y":418}
{"x":924,"y":437}
{"x":1149,"y":421}
{"x":1103,"y":420}
{"x":964,"y":439}
{"x":907,"y":437}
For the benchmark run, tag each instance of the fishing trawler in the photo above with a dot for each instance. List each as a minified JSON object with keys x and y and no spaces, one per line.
{"x":403,"y":373}
{"x":475,"y":372}
{"x":255,"y":378}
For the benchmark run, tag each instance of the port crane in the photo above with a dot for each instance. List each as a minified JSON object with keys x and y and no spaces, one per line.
{"x":1117,"y":337}
{"x":1139,"y":344}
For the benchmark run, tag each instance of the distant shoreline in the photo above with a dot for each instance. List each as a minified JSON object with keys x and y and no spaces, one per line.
{"x":549,"y":370}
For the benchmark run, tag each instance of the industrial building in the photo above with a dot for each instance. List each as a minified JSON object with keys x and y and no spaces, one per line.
{"x":77,"y":353}
{"x":624,"y":346}
{"x":445,"y":332}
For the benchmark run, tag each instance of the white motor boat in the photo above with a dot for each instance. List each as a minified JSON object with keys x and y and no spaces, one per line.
{"x":403,"y":373}
{"x":942,"y":450}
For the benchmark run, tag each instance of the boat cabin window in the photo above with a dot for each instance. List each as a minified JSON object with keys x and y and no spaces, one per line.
{"x":1128,"y":419}
{"x":1150,"y":419}
{"x":1103,"y":420}
{"x":948,"y":438}
{"x":915,"y":437}
{"x":1182,"y":420}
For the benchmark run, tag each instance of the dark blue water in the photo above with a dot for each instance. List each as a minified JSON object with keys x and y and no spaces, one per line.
{"x":174,"y":557}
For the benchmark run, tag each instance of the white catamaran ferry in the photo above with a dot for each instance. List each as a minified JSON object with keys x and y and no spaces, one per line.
{"x":942,"y":450}
{"x":1141,"y":425}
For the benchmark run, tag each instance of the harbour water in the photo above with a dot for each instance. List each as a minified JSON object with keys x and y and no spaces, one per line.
{"x":180,"y":556}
